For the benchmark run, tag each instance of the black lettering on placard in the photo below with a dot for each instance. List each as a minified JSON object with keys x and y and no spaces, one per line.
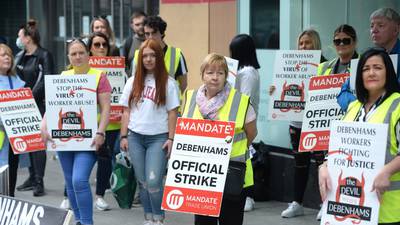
{"x":201,"y":149}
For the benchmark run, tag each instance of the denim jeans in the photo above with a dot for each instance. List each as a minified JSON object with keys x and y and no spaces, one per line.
{"x":149,"y":161}
{"x":77,"y":166}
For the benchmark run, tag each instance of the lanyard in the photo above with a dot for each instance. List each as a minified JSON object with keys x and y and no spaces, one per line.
{"x":10,"y":82}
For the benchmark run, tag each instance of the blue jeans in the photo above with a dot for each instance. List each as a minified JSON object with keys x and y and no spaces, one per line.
{"x":77,"y":166}
{"x":149,"y":162}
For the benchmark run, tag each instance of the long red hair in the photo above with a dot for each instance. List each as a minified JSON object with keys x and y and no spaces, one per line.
{"x":160,"y":75}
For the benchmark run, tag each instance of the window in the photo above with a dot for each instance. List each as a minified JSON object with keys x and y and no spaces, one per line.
{"x":264,"y":23}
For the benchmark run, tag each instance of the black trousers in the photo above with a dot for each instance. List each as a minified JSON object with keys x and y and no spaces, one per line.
{"x":38,"y":166}
{"x":231,"y":212}
{"x":13,"y":161}
{"x":302,"y":164}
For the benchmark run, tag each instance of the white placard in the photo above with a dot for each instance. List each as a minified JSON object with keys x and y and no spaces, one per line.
{"x":233,"y":65}
{"x":293,"y":70}
{"x":356,"y":155}
{"x":71,"y":111}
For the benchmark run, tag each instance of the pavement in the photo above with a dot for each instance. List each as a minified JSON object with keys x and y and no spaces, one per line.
{"x":264,"y":213}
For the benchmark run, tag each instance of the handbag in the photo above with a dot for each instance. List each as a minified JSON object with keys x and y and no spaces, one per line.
{"x":123,"y":182}
{"x":234,"y":180}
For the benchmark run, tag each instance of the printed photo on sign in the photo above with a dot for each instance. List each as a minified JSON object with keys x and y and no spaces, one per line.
{"x":198,"y":165}
{"x":114,"y":67}
{"x":356,"y":155}
{"x":292,"y":72}
{"x":71,"y":111}
{"x":321,"y":109}
{"x":21,"y":120}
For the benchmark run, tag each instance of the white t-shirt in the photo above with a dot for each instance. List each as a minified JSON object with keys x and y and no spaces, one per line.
{"x":248,"y":83}
{"x":146,"y":117}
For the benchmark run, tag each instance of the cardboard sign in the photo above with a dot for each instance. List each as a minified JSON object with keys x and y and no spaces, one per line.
{"x":17,"y":211}
{"x":233,"y":65}
{"x":198,"y":166}
{"x":71,"y":111}
{"x":356,"y":156}
{"x":114,"y":67}
{"x":321,"y":109}
{"x":21,"y":119}
{"x":292,"y":72}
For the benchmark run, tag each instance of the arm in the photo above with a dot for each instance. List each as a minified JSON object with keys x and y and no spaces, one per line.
{"x":382,"y":180}
{"x":44,"y":132}
{"x":104,"y":102}
{"x":251,"y":131}
{"x":172,"y":116}
{"x":324,"y":180}
{"x":124,"y":128}
{"x":46,"y":66}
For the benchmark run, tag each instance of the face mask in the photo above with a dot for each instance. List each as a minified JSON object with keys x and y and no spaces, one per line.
{"x":19,"y":44}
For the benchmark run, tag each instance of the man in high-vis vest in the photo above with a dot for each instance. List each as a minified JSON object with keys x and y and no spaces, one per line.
{"x":154,"y":27}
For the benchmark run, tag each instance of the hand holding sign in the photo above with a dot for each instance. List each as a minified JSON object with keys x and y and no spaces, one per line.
{"x":324,"y":180}
{"x":381,"y":184}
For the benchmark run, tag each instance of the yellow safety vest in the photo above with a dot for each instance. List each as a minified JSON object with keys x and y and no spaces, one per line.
{"x":387,"y":112}
{"x":235,"y":109}
{"x":2,"y":138}
{"x":110,"y":126}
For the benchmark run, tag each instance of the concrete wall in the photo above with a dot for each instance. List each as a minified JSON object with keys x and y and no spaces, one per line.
{"x":199,"y":27}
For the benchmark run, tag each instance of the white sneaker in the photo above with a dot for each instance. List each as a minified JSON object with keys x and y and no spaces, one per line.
{"x":148,"y":222}
{"x":319,"y":215}
{"x":101,"y":204}
{"x":294,"y":209}
{"x":249,"y":206}
{"x":65,"y":204}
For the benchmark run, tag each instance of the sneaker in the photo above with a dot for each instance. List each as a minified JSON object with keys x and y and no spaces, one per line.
{"x":136,"y":202}
{"x":319,"y":215}
{"x":65,"y":204}
{"x":38,"y":190}
{"x":26,"y":186}
{"x":148,"y":222}
{"x":101,"y":204}
{"x":249,"y":206}
{"x":294,"y":209}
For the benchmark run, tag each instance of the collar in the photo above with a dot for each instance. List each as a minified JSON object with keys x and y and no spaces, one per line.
{"x":396,"y":48}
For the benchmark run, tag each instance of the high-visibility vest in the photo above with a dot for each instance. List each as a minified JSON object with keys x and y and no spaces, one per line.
{"x":2,"y":138}
{"x":387,"y":112}
{"x":235,"y":110}
{"x":110,"y":126}
{"x":325,"y":68}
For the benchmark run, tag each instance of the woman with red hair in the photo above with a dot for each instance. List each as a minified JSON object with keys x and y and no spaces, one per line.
{"x":150,"y":99}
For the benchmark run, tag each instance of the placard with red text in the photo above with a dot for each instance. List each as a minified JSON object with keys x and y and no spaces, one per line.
{"x":198,"y":166}
{"x":321,"y":109}
{"x":114,"y":67}
{"x":21,"y":119}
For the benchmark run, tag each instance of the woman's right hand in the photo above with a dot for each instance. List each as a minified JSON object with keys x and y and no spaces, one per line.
{"x":45,"y":136}
{"x":123,"y":144}
{"x":272,"y":88}
{"x":324,"y":181}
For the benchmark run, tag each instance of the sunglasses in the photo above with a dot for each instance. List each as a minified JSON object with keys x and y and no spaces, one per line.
{"x":100,"y":44}
{"x":80,"y":40}
{"x":344,"y":41}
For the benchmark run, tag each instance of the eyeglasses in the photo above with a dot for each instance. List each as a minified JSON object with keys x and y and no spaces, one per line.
{"x":344,"y":41}
{"x":100,"y":44}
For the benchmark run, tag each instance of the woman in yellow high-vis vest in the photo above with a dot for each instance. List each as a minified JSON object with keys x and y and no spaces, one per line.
{"x":77,"y":165}
{"x":217,"y":100}
{"x":378,"y":101}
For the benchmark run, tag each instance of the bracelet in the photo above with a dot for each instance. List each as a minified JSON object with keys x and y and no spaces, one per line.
{"x":171,"y":139}
{"x":123,"y":136}
{"x":101,"y":134}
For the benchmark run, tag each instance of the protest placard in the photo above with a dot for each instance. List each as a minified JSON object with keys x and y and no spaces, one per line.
{"x":292,"y":72}
{"x":114,"y":67}
{"x":21,"y":120}
{"x":71,"y":111}
{"x":18,"y":211}
{"x":198,"y":166}
{"x":356,"y":156}
{"x":233,"y":69}
{"x":321,"y":109}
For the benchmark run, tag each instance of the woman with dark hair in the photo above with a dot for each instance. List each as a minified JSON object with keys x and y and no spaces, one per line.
{"x":151,"y":100}
{"x":242,"y":48}
{"x":32,"y":63}
{"x":345,"y":42}
{"x":8,"y":80}
{"x":77,"y":165}
{"x":99,"y":45}
{"x":101,"y":24}
{"x":377,"y":101}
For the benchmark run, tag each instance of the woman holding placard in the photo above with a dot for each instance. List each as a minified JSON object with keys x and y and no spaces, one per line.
{"x":151,"y":100}
{"x":214,"y":100}
{"x":8,"y":80}
{"x":377,"y":101}
{"x":77,"y":165}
